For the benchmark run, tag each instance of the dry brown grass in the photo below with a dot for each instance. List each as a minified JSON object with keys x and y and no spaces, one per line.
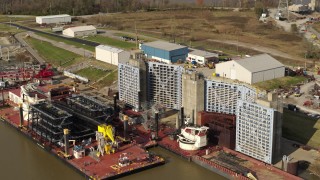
{"x":316,"y":26}
{"x":199,"y":26}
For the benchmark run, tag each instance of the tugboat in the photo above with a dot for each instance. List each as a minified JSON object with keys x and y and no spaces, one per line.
{"x":193,"y":138}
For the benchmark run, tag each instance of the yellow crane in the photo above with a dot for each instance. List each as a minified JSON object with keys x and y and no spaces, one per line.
{"x":104,"y":135}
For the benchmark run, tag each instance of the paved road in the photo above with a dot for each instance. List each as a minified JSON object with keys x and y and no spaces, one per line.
{"x":19,"y":37}
{"x":82,"y":41}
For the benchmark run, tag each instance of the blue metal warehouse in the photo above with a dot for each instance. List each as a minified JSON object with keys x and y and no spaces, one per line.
{"x":165,"y":51}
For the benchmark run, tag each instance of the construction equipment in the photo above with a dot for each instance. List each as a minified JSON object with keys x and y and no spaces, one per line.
{"x":46,"y":71}
{"x":251,"y":176}
{"x":123,"y":160}
{"x":105,"y":139}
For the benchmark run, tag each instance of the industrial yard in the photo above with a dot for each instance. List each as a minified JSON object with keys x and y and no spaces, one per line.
{"x":233,"y":94}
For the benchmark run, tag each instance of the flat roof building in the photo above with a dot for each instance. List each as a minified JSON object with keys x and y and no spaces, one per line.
{"x":80,"y":31}
{"x":165,"y":51}
{"x":54,"y":19}
{"x":201,"y":57}
{"x":252,"y":70}
{"x":111,"y":55}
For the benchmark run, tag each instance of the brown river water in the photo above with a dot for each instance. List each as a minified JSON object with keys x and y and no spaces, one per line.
{"x":20,"y":158}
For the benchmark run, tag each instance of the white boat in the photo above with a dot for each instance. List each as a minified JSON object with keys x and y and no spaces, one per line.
{"x":193,"y":138}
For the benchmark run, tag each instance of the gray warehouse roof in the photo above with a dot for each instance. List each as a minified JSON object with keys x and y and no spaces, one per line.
{"x":204,"y":54}
{"x":109,"y":48}
{"x":259,"y":63}
{"x":82,"y":28}
{"x":164,"y":45}
{"x":54,"y":16}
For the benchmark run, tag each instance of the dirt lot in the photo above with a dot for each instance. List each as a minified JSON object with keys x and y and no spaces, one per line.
{"x":198,"y":27}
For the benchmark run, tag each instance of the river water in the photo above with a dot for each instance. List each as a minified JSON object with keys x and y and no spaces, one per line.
{"x":20,"y":158}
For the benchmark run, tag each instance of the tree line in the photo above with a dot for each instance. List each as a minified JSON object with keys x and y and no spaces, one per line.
{"x":82,"y":7}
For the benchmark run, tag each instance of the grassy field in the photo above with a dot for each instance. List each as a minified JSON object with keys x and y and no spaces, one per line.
{"x":13,"y":19}
{"x":299,"y":127}
{"x":66,"y":41}
{"x":108,"y":80}
{"x":53,"y":54}
{"x":283,"y":82}
{"x":133,"y":36}
{"x":112,"y":42}
{"x":7,"y":28}
{"x":197,"y":27}
{"x":93,"y":74}
{"x":316,"y":26}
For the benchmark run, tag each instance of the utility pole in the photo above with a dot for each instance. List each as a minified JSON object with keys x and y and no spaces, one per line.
{"x":135,"y":27}
{"x":50,"y":8}
{"x":3,"y":102}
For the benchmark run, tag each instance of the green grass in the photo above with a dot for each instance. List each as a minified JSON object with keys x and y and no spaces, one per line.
{"x":93,"y":74}
{"x":14,"y":19}
{"x":111,"y":41}
{"x":66,"y":41}
{"x":53,"y":54}
{"x":299,"y":127}
{"x":108,"y":80}
{"x":7,"y":28}
{"x":284,"y":82}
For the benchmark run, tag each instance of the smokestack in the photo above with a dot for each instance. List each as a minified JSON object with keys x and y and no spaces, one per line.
{"x":156,"y":118}
{"x":21,"y":115}
{"x":114,"y":101}
{"x":115,"y":104}
{"x":177,"y":122}
{"x":192,"y":117}
{"x":66,"y":141}
{"x":125,"y":126}
{"x":182,"y":116}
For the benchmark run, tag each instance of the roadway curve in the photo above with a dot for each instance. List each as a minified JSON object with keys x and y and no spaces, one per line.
{"x":82,"y":41}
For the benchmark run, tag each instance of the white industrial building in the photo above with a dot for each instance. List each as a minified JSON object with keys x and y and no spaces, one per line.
{"x":112,"y":55}
{"x":222,"y":97}
{"x":54,"y":19}
{"x":80,"y":31}
{"x":251,"y":70}
{"x":129,"y":85}
{"x":255,"y":131}
{"x":165,"y":84}
{"x":201,"y":57}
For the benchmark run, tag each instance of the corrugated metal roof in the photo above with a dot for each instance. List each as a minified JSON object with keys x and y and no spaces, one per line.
{"x":303,"y":2}
{"x":204,"y":54}
{"x":109,"y":48}
{"x":164,"y":45}
{"x":82,"y":28}
{"x":259,"y":63}
{"x":55,"y":16}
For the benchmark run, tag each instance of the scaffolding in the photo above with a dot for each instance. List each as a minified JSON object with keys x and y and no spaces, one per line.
{"x":254,"y":132}
{"x":48,"y":121}
{"x":90,"y":107}
{"x":165,"y":84}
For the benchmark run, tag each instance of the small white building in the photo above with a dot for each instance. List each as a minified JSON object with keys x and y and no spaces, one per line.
{"x":80,"y":31}
{"x":201,"y":57}
{"x":112,"y":55}
{"x":54,"y":19}
{"x":252,"y":70}
{"x":28,"y":95}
